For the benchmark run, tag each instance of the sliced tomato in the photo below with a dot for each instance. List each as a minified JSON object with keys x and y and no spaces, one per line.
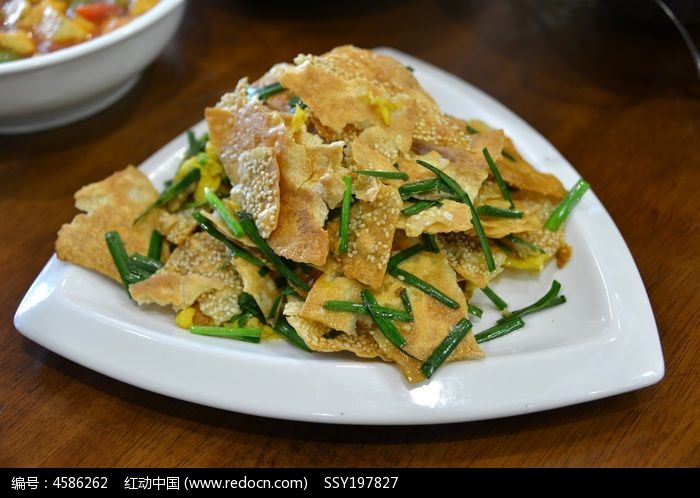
{"x":97,"y":12}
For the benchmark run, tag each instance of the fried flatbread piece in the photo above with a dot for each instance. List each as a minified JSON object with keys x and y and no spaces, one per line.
{"x":201,"y":255}
{"x":433,"y":320}
{"x":431,"y":124}
{"x":515,"y":170}
{"x":317,"y":337}
{"x":524,"y":176}
{"x":249,"y":137}
{"x":110,"y":205}
{"x":465,"y":256}
{"x":371,"y":232}
{"x":332,"y":286}
{"x":300,"y":235}
{"x":176,"y":227}
{"x":173,"y":289}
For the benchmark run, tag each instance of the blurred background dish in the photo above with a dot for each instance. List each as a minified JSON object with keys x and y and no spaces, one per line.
{"x":67,"y":67}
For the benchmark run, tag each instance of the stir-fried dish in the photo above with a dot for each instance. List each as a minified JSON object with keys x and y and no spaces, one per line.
{"x":33,"y":27}
{"x":334,"y":204}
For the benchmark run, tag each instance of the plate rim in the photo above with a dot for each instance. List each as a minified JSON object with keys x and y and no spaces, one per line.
{"x":47,"y":296}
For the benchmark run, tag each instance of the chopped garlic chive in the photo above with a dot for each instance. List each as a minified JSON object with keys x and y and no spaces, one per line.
{"x":345,"y":216}
{"x":266,"y":91}
{"x":391,"y":175}
{"x":171,"y":192}
{"x":240,"y":333}
{"x":561,"y":212}
{"x":251,"y":231}
{"x":499,"y":179}
{"x":155,"y":245}
{"x":526,"y":243}
{"x":402,"y":256}
{"x":446,"y":347}
{"x":385,"y":326}
{"x":495,"y":298}
{"x":496,"y":212}
{"x":423,"y":286}
{"x":236,"y":251}
{"x":419,"y":207}
{"x":474,"y":310}
{"x":500,"y":329}
{"x":227,"y":216}
{"x":407,"y":304}
{"x":463,"y":197}
{"x":120,"y":257}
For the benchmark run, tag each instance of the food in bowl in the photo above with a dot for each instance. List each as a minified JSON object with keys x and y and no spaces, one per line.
{"x":35,"y":27}
{"x":334,"y":204}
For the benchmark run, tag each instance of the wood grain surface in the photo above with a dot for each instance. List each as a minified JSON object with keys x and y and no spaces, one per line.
{"x":615,"y":92}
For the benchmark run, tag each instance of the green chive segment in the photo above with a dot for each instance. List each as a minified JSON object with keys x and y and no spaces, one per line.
{"x":360,"y":308}
{"x":419,"y":207}
{"x":495,"y":298}
{"x":474,"y":310}
{"x":195,"y":145}
{"x":500,"y":329}
{"x":345,"y":216}
{"x":240,"y":333}
{"x":463,"y":197}
{"x":120,"y":257}
{"x":430,"y":242}
{"x":392,"y":175}
{"x":218,"y":205}
{"x":525,"y":243}
{"x":283,"y":328}
{"x":408,"y":189}
{"x":499,"y":179}
{"x":287,"y":291}
{"x":407,"y":304}
{"x":266,"y":91}
{"x":251,"y":231}
{"x":566,"y":205}
{"x":497,"y":212}
{"x":155,"y":245}
{"x":402,"y":256}
{"x":236,"y":251}
{"x":551,"y":298}
{"x":385,"y":326}
{"x":446,"y":347}
{"x":423,"y":286}
{"x":172,"y":191}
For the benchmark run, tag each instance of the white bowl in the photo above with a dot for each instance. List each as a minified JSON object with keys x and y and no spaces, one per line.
{"x":51,"y":90}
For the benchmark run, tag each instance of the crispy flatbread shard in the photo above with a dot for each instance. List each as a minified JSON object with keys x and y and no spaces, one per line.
{"x":431,"y":124}
{"x":433,"y":320}
{"x":250,"y":137}
{"x":173,"y":289}
{"x":203,"y":255}
{"x":524,"y":176}
{"x":542,"y":207}
{"x":342,"y":106}
{"x":465,"y":256}
{"x":300,"y":235}
{"x":361,"y":344}
{"x":261,"y":287}
{"x":332,"y":286}
{"x":110,"y":205}
{"x":519,"y":173}
{"x":371,"y":232}
{"x":467,"y":167}
{"x":326,"y":161}
{"x":176,"y":227}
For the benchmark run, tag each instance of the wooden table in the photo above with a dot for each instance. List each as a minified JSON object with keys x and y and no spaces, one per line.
{"x":617,"y":97}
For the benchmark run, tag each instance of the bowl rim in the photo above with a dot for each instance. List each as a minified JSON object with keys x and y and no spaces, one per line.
{"x":142,"y":22}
